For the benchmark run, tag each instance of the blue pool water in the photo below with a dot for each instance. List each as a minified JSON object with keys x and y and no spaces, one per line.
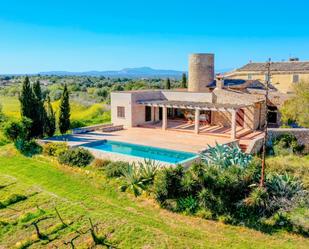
{"x":148,"y":152}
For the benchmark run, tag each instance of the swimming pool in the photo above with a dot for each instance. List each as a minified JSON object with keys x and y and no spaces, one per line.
{"x":148,"y":152}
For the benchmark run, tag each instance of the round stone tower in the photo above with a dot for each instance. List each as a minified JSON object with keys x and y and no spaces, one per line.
{"x":201,"y":72}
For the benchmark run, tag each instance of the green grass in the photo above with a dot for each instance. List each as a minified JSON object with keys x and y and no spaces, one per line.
{"x":87,"y":115}
{"x":132,"y":223}
{"x":294,"y":164}
{"x":10,"y":105}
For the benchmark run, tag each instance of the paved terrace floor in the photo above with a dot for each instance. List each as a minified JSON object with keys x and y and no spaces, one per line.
{"x":152,"y":137}
{"x":213,"y":130}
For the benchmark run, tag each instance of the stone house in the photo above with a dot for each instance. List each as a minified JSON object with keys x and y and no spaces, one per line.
{"x":283,"y":74}
{"x":205,"y":104}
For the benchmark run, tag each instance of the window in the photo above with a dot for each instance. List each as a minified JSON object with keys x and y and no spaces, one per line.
{"x":249,"y":76}
{"x":295,"y":78}
{"x":120,"y":112}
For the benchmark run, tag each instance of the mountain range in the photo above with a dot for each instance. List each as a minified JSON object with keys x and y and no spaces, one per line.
{"x":140,"y":72}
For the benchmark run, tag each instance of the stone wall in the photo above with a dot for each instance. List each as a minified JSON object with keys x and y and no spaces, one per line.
{"x":302,"y":135}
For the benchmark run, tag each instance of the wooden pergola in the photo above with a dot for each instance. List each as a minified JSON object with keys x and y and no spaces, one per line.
{"x":197,"y":107}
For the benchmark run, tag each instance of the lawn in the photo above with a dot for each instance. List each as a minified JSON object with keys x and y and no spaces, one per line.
{"x":80,"y":194}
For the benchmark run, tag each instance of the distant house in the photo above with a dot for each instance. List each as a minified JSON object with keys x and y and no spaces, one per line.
{"x":208,"y":105}
{"x":283,"y":74}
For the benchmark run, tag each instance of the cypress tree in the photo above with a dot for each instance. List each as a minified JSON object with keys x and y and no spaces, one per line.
{"x":28,"y":105}
{"x":168,"y":84}
{"x":64,"y":111}
{"x":26,"y":99}
{"x":50,"y":119}
{"x":184,"y":81}
{"x":39,"y":118}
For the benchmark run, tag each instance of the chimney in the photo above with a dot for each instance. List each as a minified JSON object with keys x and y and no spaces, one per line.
{"x":220,"y":82}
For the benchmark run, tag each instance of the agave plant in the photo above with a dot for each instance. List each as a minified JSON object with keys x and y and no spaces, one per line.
{"x":148,"y":170}
{"x":225,"y":156}
{"x":138,"y":177}
{"x":283,"y":185}
{"x":132,"y":180}
{"x":282,"y":192}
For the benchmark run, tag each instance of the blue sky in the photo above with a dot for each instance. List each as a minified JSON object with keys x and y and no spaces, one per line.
{"x":103,"y":35}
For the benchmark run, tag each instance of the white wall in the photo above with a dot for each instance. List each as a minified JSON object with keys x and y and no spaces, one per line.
{"x":121,"y":99}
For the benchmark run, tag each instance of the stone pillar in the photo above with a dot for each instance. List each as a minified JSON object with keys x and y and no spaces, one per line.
{"x":233,"y":125}
{"x":153,"y":114}
{"x":164,"y":117}
{"x":197,"y":121}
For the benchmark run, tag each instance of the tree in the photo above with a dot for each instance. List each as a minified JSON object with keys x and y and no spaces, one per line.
{"x":64,"y":111}
{"x":296,"y":109}
{"x":26,"y":100}
{"x":184,"y":81}
{"x":168,"y":84}
{"x":14,"y":130}
{"x":50,"y":119}
{"x":39,"y":118}
{"x":28,"y":107}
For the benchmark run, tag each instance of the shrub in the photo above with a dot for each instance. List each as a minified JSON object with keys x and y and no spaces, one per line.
{"x":282,"y":193}
{"x":225,"y":156}
{"x":55,"y":149}
{"x":115,"y":169}
{"x":286,"y":144}
{"x":28,"y":148}
{"x":204,"y":213}
{"x":79,"y":157}
{"x":209,"y":201}
{"x":188,"y":205}
{"x":100,"y":163}
{"x":258,"y":201}
{"x":167,"y":184}
{"x":14,"y":130}
{"x":226,"y":219}
{"x":76,"y":124}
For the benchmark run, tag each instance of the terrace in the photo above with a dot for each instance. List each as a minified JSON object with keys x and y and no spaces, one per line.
{"x":169,"y":139}
{"x":198,"y":117}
